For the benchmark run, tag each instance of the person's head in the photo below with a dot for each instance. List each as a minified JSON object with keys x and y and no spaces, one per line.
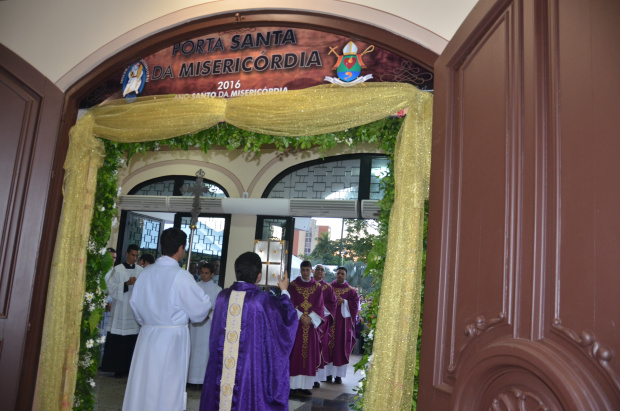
{"x":172,"y":241}
{"x":145,"y":260}
{"x":248,"y":267}
{"x":341,"y":275}
{"x":193,"y":268}
{"x":216,"y":267}
{"x":132,"y":254}
{"x":112,"y":252}
{"x":206,"y":272}
{"x":306,"y":269}
{"x":319,"y":272}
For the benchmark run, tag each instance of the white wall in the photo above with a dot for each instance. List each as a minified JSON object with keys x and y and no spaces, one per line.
{"x":242,"y":232}
{"x":236,"y":171}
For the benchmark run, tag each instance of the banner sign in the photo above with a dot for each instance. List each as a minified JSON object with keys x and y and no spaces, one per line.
{"x":258,"y":60}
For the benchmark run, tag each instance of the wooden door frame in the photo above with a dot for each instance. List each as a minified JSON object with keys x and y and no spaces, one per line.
{"x":79,"y":90}
{"x":45,"y":107}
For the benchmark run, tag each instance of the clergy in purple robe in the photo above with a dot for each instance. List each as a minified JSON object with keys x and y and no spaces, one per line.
{"x":343,"y":329}
{"x":329,"y":299}
{"x":307,"y":297}
{"x":251,"y":340}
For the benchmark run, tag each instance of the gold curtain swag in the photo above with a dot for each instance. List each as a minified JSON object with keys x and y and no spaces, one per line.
{"x":312,"y":111}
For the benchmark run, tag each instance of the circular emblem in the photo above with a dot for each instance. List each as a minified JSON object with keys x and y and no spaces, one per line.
{"x":229,"y":362}
{"x":233,"y":337}
{"x":226,"y":389}
{"x":235,"y":309}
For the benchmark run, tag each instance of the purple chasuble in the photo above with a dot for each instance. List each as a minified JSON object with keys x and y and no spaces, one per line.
{"x":343,"y":329}
{"x":306,"y":354}
{"x":268,"y":327}
{"x":331,"y":304}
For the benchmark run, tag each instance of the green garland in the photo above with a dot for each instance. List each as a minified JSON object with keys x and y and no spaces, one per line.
{"x":382,"y":133}
{"x":98,"y":263}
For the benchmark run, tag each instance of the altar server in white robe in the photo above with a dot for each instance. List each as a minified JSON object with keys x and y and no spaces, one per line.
{"x":199,"y":332}
{"x":122,"y":329}
{"x":165,"y":298}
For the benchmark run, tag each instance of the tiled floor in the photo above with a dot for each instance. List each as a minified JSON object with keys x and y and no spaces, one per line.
{"x":330,"y":397}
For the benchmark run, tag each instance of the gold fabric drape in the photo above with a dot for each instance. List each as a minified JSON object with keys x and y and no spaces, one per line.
{"x":311,"y":111}
{"x":63,"y":311}
{"x":390,"y":379}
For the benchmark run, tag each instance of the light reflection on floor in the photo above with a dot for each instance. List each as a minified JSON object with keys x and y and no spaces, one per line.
{"x":329,"y":397}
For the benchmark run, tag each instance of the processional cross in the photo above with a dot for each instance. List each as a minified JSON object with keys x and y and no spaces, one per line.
{"x":197,"y":189}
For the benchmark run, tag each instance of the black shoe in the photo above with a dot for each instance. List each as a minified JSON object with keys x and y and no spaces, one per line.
{"x":292,"y":393}
{"x":316,"y":385}
{"x":338,"y":380}
{"x":329,"y":378}
{"x":304,"y":392}
{"x":118,"y":375}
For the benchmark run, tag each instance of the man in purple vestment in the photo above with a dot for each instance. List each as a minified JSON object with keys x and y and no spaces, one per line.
{"x":251,"y":340}
{"x":343,"y":329}
{"x":329,"y":299}
{"x":307,"y":297}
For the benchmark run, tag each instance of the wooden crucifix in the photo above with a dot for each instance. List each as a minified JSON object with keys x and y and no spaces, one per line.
{"x":196,"y":189}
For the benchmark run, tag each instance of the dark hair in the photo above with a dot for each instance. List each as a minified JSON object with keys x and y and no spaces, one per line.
{"x":132,"y":247}
{"x":342,"y":268}
{"x":148,"y":258}
{"x":305,"y":263}
{"x":247,"y":267}
{"x":209,"y":266}
{"x":171,"y":240}
{"x":111,"y":250}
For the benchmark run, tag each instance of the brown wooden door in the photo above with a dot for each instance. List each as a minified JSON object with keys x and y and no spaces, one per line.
{"x":30,"y":110}
{"x":522,"y":298}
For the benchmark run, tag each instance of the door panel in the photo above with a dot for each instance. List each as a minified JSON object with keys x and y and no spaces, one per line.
{"x":481,"y":172}
{"x":521,"y":306}
{"x":30,"y":108}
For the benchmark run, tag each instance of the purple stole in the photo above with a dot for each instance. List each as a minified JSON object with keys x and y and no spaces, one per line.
{"x":343,"y":329}
{"x":306,"y":354}
{"x":331,"y":304}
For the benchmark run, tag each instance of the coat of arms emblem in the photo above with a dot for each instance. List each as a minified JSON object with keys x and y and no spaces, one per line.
{"x":349,"y":66}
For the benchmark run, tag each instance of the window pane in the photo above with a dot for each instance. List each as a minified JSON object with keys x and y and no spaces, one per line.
{"x":337,"y":180}
{"x":378,"y":170}
{"x":160,"y":188}
{"x":273,"y":229}
{"x":208,"y":238}
{"x":144,"y":232}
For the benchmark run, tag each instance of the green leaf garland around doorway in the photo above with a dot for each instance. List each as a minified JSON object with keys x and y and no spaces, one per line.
{"x":382,"y":133}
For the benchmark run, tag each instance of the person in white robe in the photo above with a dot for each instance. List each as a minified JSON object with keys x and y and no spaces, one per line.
{"x":199,"y":333}
{"x":103,"y":324}
{"x":122,"y":328}
{"x":165,"y":298}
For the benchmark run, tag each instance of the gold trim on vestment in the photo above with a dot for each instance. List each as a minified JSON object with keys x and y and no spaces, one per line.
{"x":231,"y":348}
